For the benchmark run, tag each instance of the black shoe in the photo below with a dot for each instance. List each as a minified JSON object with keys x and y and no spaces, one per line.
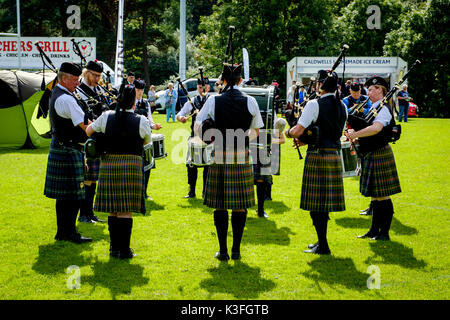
{"x":190,"y":195}
{"x":263,"y":215}
{"x":318,"y":250}
{"x":313,"y":245}
{"x":366,"y":212}
{"x":367,"y":235}
{"x":85,"y":219}
{"x":78,"y":238}
{"x":96,"y":219}
{"x":221,"y":256}
{"x":384,"y":237}
{"x":114,"y":253}
{"x":235,"y":255}
{"x":128,"y":254}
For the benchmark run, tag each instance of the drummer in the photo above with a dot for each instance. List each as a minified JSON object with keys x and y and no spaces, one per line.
{"x":182,"y":116}
{"x":143,"y":108}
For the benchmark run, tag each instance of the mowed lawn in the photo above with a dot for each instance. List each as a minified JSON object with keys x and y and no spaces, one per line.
{"x":176,"y":240}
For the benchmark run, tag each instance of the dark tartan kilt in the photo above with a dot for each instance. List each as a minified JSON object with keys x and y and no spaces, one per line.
{"x":65,"y":174}
{"x":230,"y":186}
{"x":92,"y":170}
{"x":120,"y":184}
{"x":379,"y":176}
{"x":322,"y":184}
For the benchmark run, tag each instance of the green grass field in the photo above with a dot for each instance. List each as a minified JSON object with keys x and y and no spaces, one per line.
{"x":176,"y":240}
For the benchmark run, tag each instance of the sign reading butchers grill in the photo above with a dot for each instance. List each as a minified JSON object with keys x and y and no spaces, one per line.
{"x":58,"y":49}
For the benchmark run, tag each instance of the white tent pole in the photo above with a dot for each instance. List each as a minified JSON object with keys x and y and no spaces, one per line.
{"x":182,"y":60}
{"x":19,"y":49}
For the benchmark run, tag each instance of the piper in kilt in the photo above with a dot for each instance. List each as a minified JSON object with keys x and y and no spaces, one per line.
{"x":121,"y":180}
{"x":90,"y":88}
{"x":322,"y":184}
{"x":65,"y":175}
{"x":379,"y":178}
{"x":229,"y":184}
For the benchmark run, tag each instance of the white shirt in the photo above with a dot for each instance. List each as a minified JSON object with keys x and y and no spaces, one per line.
{"x":99,"y":125}
{"x":208,"y":111}
{"x":149,"y":114}
{"x":384,"y":116}
{"x":66,"y":106}
{"x":310,"y":112}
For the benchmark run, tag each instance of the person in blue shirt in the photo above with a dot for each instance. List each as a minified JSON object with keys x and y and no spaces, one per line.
{"x":170,"y":96}
{"x":301,"y":94}
{"x":356,"y":97}
{"x":403,"y":104}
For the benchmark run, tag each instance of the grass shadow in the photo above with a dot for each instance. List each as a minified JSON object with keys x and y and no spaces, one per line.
{"x":54,"y":258}
{"x":239,"y":280}
{"x":364,"y":223}
{"x":265,"y":231}
{"x":336,"y":271}
{"x":276,"y":207}
{"x":196,"y":203}
{"x":391,"y":252}
{"x":118,"y":276}
{"x":152,"y":205}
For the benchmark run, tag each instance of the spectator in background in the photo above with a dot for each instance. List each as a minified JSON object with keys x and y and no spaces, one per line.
{"x":151,"y":97}
{"x":403,"y":104}
{"x":170,"y":102}
{"x":276,"y":95}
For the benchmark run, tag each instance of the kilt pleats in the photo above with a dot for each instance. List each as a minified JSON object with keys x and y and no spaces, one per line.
{"x":322,"y":184}
{"x":92,"y":170}
{"x":230,"y":186}
{"x":65,"y":174}
{"x":379,"y":176}
{"x":120,"y":184}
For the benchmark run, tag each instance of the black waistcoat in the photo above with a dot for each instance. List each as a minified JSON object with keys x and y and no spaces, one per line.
{"x":63,"y":129}
{"x":331,"y":122}
{"x":142,"y":107}
{"x":199,"y":101}
{"x":122,"y":134}
{"x":379,"y":140}
{"x":99,"y":107}
{"x":231,"y":112}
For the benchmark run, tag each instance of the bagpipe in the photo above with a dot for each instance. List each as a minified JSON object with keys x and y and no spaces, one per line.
{"x":356,"y":118}
{"x":310,"y":135}
{"x":44,"y":102}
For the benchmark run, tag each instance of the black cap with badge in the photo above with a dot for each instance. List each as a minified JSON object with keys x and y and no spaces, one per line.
{"x":70,"y":68}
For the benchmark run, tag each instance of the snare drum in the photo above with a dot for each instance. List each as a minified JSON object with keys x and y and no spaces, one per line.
{"x":349,"y":159}
{"x":158,"y":150}
{"x":199,"y":153}
{"x":148,"y":157}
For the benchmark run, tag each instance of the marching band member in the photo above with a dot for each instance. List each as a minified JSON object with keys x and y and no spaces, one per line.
{"x":379,"y":178}
{"x":143,"y":108}
{"x":230,"y":177}
{"x":185,"y":111}
{"x":65,"y":175}
{"x":322,"y":184}
{"x":121,"y":180}
{"x":89,"y":88}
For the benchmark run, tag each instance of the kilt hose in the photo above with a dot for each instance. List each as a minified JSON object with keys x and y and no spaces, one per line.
{"x":322,"y":184}
{"x":379,"y":176}
{"x":65,"y":173}
{"x":230,"y":185}
{"x":120,"y":184}
{"x":92,"y":170}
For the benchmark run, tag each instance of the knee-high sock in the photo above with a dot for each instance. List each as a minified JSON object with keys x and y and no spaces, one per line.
{"x":192,"y":178}
{"x":112,"y":227}
{"x":147,"y":178}
{"x":61,"y":230}
{"x":124,"y":227}
{"x":221,"y":223}
{"x":386,"y":209}
{"x":238,"y":223}
{"x":376,"y":219}
{"x":261,"y":189}
{"x":320,"y":222}
{"x":205,"y":177}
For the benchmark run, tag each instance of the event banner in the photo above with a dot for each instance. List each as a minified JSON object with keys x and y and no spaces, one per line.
{"x":58,"y":49}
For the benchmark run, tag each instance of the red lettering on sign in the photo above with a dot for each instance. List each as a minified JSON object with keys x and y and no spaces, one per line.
{"x":46,"y":46}
{"x":65,"y":47}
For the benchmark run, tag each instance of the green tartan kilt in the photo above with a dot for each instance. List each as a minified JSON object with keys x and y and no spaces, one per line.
{"x":230,"y":186}
{"x":120,"y":184}
{"x":92,"y":170}
{"x":379,"y":176}
{"x":322,"y":184}
{"x":64,"y":178}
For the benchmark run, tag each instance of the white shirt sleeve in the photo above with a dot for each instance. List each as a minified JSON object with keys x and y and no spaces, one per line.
{"x":144,"y":129}
{"x":253,"y":108}
{"x":150,"y":118}
{"x":310,"y":114}
{"x":384,"y":116}
{"x":99,"y":125}
{"x":186,"y":110}
{"x":67,"y":107}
